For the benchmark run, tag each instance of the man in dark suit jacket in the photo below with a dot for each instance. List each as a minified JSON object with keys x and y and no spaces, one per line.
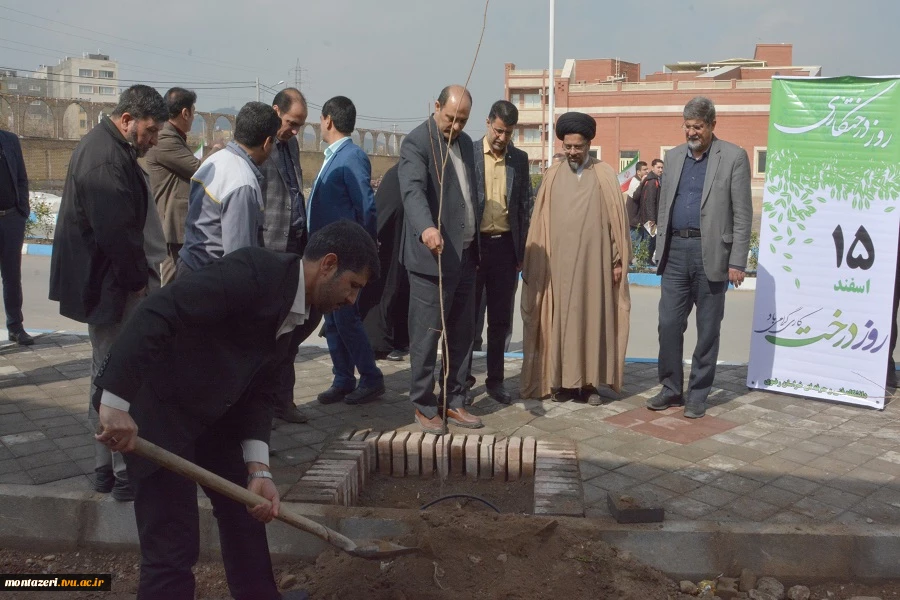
{"x":284,"y":228}
{"x":703,"y":235}
{"x":14,"y":211}
{"x":384,"y":304}
{"x":343,"y":190}
{"x":195,"y":372}
{"x":424,"y":183}
{"x":99,"y":270}
{"x":504,"y":189}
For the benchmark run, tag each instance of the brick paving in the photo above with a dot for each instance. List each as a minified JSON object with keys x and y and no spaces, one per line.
{"x":756,"y":457}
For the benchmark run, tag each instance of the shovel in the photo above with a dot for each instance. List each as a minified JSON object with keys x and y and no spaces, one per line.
{"x":372,"y":549}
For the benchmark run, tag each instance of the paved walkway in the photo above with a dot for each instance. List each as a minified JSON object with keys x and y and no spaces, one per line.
{"x":756,"y":457}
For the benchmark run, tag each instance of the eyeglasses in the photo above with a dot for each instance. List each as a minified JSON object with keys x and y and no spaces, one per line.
{"x":502,"y":132}
{"x":693,"y":128}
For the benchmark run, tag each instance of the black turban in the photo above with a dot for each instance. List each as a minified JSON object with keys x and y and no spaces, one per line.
{"x":576,"y":122}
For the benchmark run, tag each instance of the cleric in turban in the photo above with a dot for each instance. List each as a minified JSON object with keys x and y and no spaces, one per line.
{"x":575,"y":300}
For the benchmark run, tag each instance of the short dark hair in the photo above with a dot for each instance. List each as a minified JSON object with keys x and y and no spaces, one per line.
{"x":445,"y":95}
{"x":657,"y":161}
{"x":354,"y":247}
{"x":506,"y":111}
{"x":701,"y":108}
{"x":255,"y":123}
{"x":640,"y":165}
{"x":177,"y":99}
{"x":342,"y":112}
{"x":141,"y":102}
{"x":285,"y":99}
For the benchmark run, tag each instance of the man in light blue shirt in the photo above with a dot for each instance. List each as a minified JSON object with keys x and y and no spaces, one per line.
{"x":343,"y":190}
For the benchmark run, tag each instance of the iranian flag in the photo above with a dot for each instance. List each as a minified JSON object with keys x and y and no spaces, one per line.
{"x":629,"y":172}
{"x":199,"y":152}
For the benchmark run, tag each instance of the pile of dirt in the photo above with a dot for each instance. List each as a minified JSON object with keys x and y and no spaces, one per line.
{"x":476,"y":555}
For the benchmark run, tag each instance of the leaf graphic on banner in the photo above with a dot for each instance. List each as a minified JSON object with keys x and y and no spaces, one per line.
{"x":797,"y":282}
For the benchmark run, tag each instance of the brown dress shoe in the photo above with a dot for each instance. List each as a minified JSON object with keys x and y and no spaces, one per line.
{"x":433,"y":425}
{"x":463,"y":418}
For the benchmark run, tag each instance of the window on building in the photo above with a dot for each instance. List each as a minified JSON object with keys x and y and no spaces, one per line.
{"x":532,"y":135}
{"x":759,"y":162}
{"x":34,"y":88}
{"x":531,"y":100}
{"x":595,"y":152}
{"x":83,"y":123}
{"x":625,"y":157}
{"x":107,"y":74}
{"x":12,"y":86}
{"x":663,"y":150}
{"x":107,"y":91}
{"x":85,"y":89}
{"x":85,"y":72}
{"x":534,"y":168}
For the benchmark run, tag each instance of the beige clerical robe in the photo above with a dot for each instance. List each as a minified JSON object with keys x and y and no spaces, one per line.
{"x":576,"y":319}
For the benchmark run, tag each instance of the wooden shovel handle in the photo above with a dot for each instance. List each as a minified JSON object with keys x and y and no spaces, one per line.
{"x":198,"y":474}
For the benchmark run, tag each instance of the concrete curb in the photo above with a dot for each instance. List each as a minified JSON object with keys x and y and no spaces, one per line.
{"x":37,"y":249}
{"x":65,"y":516}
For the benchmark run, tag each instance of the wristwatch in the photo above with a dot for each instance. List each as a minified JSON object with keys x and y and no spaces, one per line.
{"x":259,"y":475}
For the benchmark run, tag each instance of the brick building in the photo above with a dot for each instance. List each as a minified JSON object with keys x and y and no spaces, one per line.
{"x":643,"y":115}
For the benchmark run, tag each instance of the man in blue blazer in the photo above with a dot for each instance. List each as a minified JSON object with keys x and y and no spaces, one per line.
{"x":343,"y":190}
{"x":14,"y":211}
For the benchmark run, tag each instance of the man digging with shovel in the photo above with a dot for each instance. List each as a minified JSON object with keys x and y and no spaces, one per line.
{"x":194,"y":371}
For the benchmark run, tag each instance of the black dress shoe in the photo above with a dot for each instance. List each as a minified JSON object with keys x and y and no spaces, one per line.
{"x":499,"y":393}
{"x":361,"y":395}
{"x":291,"y":414}
{"x":395,"y":355}
{"x":104,"y":480}
{"x":122,"y":491}
{"x":564,"y":395}
{"x":21,"y":337}
{"x":662,"y":402}
{"x":332,"y":395}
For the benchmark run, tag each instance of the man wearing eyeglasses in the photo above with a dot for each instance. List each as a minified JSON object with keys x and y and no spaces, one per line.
{"x":703,"y":236}
{"x":504,"y":188}
{"x":575,"y":299}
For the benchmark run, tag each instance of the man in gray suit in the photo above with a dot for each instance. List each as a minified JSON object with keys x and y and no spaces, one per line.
{"x":423,"y":183}
{"x":285,"y":228}
{"x":703,"y":236}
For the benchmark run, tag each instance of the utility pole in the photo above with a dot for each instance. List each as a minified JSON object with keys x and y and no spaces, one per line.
{"x":298,"y":75}
{"x":257,"y":89}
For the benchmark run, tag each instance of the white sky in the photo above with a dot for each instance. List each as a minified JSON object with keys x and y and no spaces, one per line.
{"x":392,"y":57}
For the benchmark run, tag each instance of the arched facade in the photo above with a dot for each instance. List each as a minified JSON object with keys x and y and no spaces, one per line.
{"x":55,"y":118}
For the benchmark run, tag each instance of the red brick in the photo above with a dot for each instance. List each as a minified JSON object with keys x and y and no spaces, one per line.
{"x":398,"y":450}
{"x":414,"y":453}
{"x":429,"y":452}
{"x":514,"y":459}
{"x":384,"y":452}
{"x":500,"y":448}
{"x":529,"y":454}
{"x":486,"y":457}
{"x":472,"y":443}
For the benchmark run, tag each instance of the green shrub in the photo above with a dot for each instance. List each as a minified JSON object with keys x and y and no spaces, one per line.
{"x":43,"y":224}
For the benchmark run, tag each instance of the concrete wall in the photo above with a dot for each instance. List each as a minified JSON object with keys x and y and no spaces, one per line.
{"x":47,"y":162}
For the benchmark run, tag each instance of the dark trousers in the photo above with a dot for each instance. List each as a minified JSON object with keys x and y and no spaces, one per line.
{"x":350,"y":349}
{"x":684,"y":285}
{"x":495,"y":294}
{"x":165,"y":508}
{"x":425,"y":329}
{"x":387,"y":309}
{"x":12,"y":235}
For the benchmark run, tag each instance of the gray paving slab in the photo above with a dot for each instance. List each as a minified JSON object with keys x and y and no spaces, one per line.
{"x":786,"y":460}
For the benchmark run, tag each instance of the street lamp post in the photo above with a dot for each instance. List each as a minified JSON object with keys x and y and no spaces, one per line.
{"x":257,"y":87}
